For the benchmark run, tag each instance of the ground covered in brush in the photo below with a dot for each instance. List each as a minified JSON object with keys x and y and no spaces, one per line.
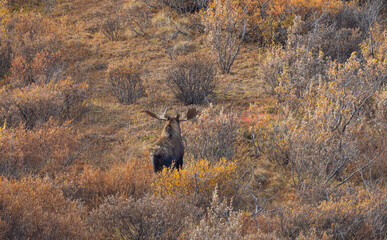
{"x":289,"y":143}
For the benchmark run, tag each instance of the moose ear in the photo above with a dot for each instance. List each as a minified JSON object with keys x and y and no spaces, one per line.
{"x":191,"y":113}
{"x":154,"y":115}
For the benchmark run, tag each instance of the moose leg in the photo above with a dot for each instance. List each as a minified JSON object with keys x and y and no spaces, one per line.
{"x":179,"y":163}
{"x":157,"y":165}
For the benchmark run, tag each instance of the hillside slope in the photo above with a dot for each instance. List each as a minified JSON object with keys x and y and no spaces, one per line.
{"x":289,"y":144}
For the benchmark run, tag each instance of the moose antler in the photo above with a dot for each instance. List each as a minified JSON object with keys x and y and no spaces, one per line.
{"x":160,"y":117}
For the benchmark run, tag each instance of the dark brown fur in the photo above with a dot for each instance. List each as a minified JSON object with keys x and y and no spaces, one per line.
{"x":169,"y":150}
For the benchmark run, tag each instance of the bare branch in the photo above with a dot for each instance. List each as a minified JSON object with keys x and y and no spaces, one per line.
{"x":362,"y":168}
{"x":71,"y":158}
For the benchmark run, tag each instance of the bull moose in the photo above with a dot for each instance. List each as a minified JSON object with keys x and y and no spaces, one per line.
{"x":169,"y":149}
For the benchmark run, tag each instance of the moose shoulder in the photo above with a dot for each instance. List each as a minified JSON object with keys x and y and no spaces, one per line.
{"x":169,"y":149}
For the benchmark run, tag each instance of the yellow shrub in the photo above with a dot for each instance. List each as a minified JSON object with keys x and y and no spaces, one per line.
{"x":199,"y":179}
{"x":4,"y":15}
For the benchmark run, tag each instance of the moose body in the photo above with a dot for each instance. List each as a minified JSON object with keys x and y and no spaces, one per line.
{"x":169,"y":150}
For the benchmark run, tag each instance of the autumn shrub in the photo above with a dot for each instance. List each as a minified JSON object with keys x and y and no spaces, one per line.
{"x":18,"y":4}
{"x":92,"y":185}
{"x":4,"y":16}
{"x":226,"y":29}
{"x":271,"y":68}
{"x":72,"y":95}
{"x":33,"y":33}
{"x":361,"y":16}
{"x":153,"y":4}
{"x":269,"y":138}
{"x":49,"y":5}
{"x":5,"y":57}
{"x":36,"y":151}
{"x":295,"y":68}
{"x":46,"y":67}
{"x":192,"y":79}
{"x":37,"y":103}
{"x":5,"y":45}
{"x":186,"y":6}
{"x":220,"y":222}
{"x":358,"y":215}
{"x":138,"y":19}
{"x":337,"y":43}
{"x":151,"y":217}
{"x":36,"y":44}
{"x":112,"y":27}
{"x":34,"y":208}
{"x":197,"y":180}
{"x":43,"y":69}
{"x":330,"y":141}
{"x":125,"y":81}
{"x":267,"y":21}
{"x":213,"y":136}
{"x":315,"y":194}
{"x":306,"y":58}
{"x":184,"y":48}
{"x":337,"y":33}
{"x":335,"y":105}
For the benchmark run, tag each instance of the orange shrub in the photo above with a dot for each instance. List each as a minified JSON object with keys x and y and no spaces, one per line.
{"x":36,"y":43}
{"x":37,"y":103}
{"x":35,"y":151}
{"x":44,"y":68}
{"x":93,"y":185}
{"x":354,"y":216}
{"x":150,"y":217}
{"x":36,"y":209}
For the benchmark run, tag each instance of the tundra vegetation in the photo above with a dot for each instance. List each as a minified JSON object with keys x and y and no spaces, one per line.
{"x":289,"y":143}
